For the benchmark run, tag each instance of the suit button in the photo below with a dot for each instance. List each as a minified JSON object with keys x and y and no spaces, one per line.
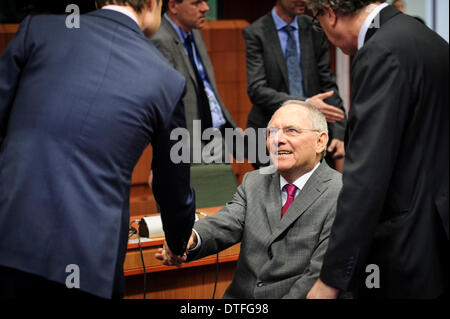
{"x":260,"y":284}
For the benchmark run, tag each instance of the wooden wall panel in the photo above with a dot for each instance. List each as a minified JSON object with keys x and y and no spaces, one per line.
{"x":7,"y":32}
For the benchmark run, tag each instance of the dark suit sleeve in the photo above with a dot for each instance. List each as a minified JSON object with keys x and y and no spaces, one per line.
{"x":377,"y":120}
{"x":328,"y":83}
{"x":259,"y":92}
{"x":171,"y":186}
{"x":12,"y":62}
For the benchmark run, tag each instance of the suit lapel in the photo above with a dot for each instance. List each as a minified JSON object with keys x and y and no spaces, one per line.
{"x":307,"y":52}
{"x":273,"y":42}
{"x":312,"y":190}
{"x":273,"y":206}
{"x":181,"y":51}
{"x":385,"y":15}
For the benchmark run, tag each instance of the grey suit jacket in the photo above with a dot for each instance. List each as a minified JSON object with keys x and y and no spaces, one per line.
{"x":267,"y":75}
{"x":279,"y":257}
{"x":170,"y":45}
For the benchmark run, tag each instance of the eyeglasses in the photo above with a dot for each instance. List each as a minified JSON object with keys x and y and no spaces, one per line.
{"x":315,"y":23}
{"x":289,"y":131}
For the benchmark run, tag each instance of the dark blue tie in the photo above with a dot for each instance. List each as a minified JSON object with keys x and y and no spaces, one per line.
{"x":293,"y":65}
{"x":203,"y":102}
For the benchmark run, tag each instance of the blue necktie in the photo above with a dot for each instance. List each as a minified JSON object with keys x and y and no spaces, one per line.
{"x":293,"y":65}
{"x":203,"y":102}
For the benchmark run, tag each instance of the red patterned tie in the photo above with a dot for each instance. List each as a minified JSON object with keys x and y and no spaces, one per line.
{"x":291,"y":196}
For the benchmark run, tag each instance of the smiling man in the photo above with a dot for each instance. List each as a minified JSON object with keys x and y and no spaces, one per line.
{"x":282,"y":220}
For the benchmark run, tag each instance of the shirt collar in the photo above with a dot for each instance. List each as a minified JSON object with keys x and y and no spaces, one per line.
{"x":122,"y":10}
{"x":181,"y":34}
{"x":368,"y":22}
{"x":301,"y":181}
{"x":280,"y":23}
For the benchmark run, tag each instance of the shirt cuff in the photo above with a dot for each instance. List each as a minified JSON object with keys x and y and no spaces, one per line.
{"x":199,"y":242}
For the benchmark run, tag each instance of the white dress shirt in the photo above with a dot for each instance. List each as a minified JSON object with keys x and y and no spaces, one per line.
{"x":366,"y":25}
{"x":123,"y":10}
{"x":300,"y":183}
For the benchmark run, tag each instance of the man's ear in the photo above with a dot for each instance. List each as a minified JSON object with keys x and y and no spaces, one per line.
{"x":172,"y":6}
{"x":322,"y":142}
{"x":151,"y":5}
{"x":330,"y":15}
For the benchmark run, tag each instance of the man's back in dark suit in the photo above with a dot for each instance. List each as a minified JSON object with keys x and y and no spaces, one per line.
{"x":393,"y":212}
{"x":77,"y":108}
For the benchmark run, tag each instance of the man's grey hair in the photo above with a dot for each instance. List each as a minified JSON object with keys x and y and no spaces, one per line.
{"x":318,"y":120}
{"x":342,"y":7}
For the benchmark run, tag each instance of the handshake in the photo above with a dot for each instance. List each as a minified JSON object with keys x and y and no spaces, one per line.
{"x":170,"y":259}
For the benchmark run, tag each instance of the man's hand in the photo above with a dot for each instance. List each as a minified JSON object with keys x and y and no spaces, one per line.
{"x":332,"y":113}
{"x":320,"y":290}
{"x":337,"y":148}
{"x":168,"y":258}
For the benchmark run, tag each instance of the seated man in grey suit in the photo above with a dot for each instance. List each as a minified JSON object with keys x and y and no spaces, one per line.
{"x":181,"y":42}
{"x":282,"y":219}
{"x":288,"y":59}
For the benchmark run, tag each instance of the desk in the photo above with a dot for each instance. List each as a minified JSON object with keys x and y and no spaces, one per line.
{"x":194,"y":280}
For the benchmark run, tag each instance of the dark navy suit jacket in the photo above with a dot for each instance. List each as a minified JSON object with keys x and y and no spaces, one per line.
{"x":393,"y":210}
{"x":77,"y":108}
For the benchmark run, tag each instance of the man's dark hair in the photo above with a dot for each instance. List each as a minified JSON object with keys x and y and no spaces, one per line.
{"x":166,"y":5}
{"x":343,"y":7}
{"x":137,"y":5}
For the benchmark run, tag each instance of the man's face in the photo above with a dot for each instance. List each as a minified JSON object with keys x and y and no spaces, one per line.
{"x":298,"y":153}
{"x":336,"y":32}
{"x":292,"y":7}
{"x":190,"y":14}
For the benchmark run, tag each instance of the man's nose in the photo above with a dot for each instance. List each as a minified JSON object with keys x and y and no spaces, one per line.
{"x":204,"y":6}
{"x":279,"y":138}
